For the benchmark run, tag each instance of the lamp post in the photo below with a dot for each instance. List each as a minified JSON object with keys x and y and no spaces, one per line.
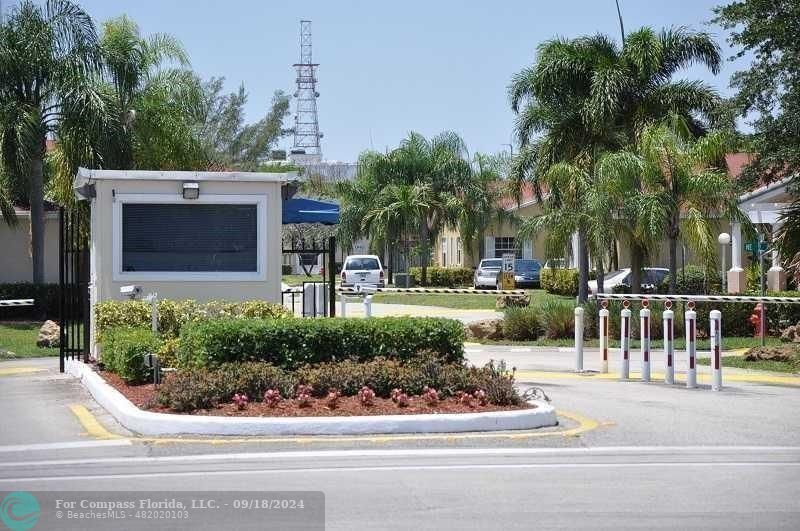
{"x":724,"y":239}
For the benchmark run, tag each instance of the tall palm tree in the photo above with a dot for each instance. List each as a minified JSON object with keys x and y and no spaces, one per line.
{"x":588,"y":95}
{"x":48,"y":56}
{"x":672,"y":185}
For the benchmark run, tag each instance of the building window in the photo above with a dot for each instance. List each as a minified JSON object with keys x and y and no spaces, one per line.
{"x":505,"y":245}
{"x":216,"y":238}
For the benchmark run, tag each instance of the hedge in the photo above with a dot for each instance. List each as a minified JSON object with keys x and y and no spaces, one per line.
{"x":124,"y":349}
{"x":693,"y":280}
{"x":45,"y":300}
{"x":172,"y":315}
{"x":444,"y":277}
{"x":291,"y":343}
{"x":559,"y":281}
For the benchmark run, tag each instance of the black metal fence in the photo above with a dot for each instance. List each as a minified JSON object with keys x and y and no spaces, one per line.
{"x":316,"y":298}
{"x":73,"y":281}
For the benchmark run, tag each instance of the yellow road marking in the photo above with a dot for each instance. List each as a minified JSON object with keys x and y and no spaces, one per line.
{"x":525,"y":376}
{"x":12,"y":371}
{"x":95,"y":429}
{"x":90,"y":424}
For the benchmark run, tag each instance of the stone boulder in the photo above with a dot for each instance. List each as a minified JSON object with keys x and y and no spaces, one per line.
{"x":512,"y":301}
{"x":791,"y":334}
{"x":485,"y":329}
{"x":49,"y":335}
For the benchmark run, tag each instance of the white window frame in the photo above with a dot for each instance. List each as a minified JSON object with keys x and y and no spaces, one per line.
{"x":260,"y":200}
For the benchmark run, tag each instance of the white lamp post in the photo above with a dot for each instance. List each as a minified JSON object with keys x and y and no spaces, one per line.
{"x":724,"y":240}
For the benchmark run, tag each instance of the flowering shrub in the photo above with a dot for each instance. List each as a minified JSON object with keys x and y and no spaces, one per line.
{"x":481,"y":396}
{"x":366,"y":396}
{"x":395,"y":393}
{"x":272,"y":397}
{"x":430,"y":396}
{"x":402,"y":400}
{"x":303,"y":395}
{"x":241,"y":401}
{"x":332,"y":400}
{"x":466,"y":399}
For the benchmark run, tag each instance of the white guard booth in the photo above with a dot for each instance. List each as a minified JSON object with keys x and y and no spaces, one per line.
{"x":184,"y":235}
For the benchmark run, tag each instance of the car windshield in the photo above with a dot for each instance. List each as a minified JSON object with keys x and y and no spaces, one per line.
{"x":612,"y":275}
{"x":524,"y":266}
{"x":362,"y":263}
{"x":491,"y":264}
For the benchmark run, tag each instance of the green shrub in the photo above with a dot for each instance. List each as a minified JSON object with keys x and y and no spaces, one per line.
{"x":45,"y":301}
{"x":172,"y":315}
{"x":168,"y":352}
{"x":559,"y":281}
{"x":558,"y":319}
{"x":444,"y":277}
{"x":522,"y":324}
{"x":286,"y":269}
{"x":124,"y":350}
{"x":291,"y":343}
{"x":694,"y":280}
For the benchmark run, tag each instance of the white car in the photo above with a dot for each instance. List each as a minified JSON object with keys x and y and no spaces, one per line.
{"x":651,"y":278}
{"x":487,"y":272}
{"x":363,"y":269}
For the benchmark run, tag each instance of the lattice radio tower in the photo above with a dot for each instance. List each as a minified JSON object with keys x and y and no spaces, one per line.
{"x":306,"y":123}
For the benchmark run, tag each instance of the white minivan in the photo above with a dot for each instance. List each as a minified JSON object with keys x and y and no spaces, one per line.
{"x":362,"y":269}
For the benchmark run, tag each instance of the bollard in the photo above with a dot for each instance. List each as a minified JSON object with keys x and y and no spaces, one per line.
{"x":691,"y":335}
{"x":715,"y":323}
{"x":669,"y":343}
{"x":625,"y":341}
{"x":368,"y":305}
{"x":343,"y":298}
{"x":579,"y":339}
{"x":644,"y":326}
{"x":603,"y":326}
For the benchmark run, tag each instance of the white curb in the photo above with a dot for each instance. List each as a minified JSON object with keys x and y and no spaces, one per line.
{"x":150,"y":423}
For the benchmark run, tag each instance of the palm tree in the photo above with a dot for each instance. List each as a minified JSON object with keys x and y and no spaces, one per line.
{"x":672,"y":185}
{"x":48,"y":56}
{"x":587,"y":96}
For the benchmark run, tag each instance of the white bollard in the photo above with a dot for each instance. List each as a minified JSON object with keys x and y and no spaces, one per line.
{"x":644,"y":334}
{"x":625,"y":341}
{"x":691,"y":348}
{"x":669,"y":342}
{"x":715,"y":323}
{"x":603,"y":326}
{"x":343,"y":298}
{"x":368,"y":305}
{"x":579,"y":339}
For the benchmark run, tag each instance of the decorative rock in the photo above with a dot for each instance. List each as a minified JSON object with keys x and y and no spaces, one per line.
{"x":791,"y":334}
{"x":510,"y":301}
{"x":49,"y":335}
{"x":485,"y":329}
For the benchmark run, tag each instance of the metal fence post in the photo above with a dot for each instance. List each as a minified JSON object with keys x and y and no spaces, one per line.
{"x":625,"y":341}
{"x":669,"y":343}
{"x":715,"y":323}
{"x":578,"y":339}
{"x":644,"y":326}
{"x":603,"y":327}
{"x":691,"y":352}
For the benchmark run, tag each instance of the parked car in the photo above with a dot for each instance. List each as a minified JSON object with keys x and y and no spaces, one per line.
{"x":487,"y":272}
{"x":362,"y":269}
{"x":651,"y":278}
{"x":526,"y":273}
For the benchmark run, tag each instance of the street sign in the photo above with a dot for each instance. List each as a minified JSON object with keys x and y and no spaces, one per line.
{"x":750,"y":247}
{"x":507,"y":273}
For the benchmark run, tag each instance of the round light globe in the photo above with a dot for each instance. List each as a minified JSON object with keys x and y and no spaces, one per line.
{"x":724,"y":238}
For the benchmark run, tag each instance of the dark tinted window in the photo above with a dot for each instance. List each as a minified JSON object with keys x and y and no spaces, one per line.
{"x":527,"y":265}
{"x":491,"y":264}
{"x":362,"y":263}
{"x":189,"y":238}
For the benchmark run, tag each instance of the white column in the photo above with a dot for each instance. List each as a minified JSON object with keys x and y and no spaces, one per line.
{"x":776,"y":276}
{"x":737,"y":279}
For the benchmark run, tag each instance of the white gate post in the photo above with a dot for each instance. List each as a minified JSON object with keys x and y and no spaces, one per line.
{"x":669,"y":344}
{"x":691,"y":335}
{"x":343,"y":298}
{"x":715,"y":322}
{"x":578,"y":339}
{"x":625,"y":339}
{"x":644,"y":326}
{"x":603,"y":327}
{"x":368,"y":305}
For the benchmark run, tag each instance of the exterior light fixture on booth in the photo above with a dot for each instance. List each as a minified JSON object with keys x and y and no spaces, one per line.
{"x":191,"y":190}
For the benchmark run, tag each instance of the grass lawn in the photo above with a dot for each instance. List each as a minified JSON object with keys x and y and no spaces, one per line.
{"x":297,"y":280}
{"x":460,"y":301}
{"x":18,"y":340}
{"x":762,"y":365}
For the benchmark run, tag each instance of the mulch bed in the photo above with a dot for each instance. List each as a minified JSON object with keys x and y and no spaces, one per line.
{"x":142,"y":396}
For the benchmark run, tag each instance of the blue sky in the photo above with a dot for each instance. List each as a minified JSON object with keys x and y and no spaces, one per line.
{"x":391,"y":67}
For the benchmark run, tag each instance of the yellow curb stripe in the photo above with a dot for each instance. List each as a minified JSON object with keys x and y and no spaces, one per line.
{"x":526,"y":376}
{"x":13,"y":371}
{"x":90,"y":424}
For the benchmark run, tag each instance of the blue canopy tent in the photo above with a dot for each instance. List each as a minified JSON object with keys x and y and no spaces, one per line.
{"x":302,"y":210}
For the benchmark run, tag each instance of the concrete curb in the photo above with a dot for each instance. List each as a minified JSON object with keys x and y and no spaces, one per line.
{"x":149,"y":423}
